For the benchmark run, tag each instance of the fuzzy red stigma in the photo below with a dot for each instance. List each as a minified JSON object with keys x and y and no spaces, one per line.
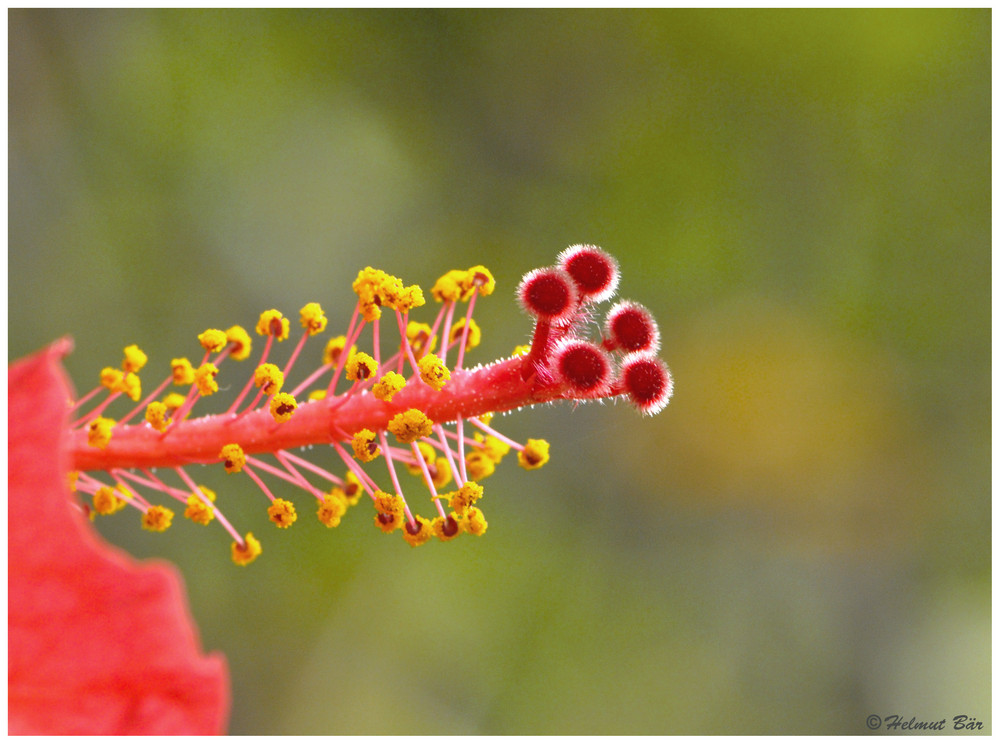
{"x":630,"y":326}
{"x":548,"y":293}
{"x":583,"y":366}
{"x":647,"y":381}
{"x":594,"y":271}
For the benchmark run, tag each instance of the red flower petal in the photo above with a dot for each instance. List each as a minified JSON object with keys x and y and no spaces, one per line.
{"x":97,"y":642}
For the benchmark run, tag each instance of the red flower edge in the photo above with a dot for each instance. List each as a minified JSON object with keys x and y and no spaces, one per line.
{"x":98,"y":643}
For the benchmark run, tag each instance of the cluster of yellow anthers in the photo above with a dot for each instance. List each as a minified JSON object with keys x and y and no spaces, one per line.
{"x":412,"y":394}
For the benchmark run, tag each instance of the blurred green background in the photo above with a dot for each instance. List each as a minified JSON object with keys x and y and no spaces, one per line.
{"x":801,"y":539}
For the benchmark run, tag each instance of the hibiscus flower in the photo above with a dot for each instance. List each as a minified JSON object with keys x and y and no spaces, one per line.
{"x":98,"y":643}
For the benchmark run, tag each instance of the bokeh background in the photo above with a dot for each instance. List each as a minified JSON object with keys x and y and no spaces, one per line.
{"x":801,"y":539}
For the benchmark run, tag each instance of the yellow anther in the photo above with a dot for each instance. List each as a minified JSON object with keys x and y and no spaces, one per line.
{"x":426,"y":454}
{"x":422,"y":534}
{"x":182,"y":371}
{"x":156,"y":415}
{"x":198,"y":511}
{"x":433,"y":371}
{"x":473,"y":522}
{"x":239,"y":343}
{"x":411,"y":425}
{"x":242,"y":555}
{"x":479,"y":277}
{"x":332,"y":508}
{"x":474,"y":337}
{"x":282,"y":406}
{"x":440,"y":473}
{"x":312,"y":318}
{"x":374,"y":289}
{"x":268,"y":378}
{"x":366,"y":448}
{"x":390,"y":511}
{"x":449,"y":287}
{"x":446,"y":528}
{"x":388,"y":503}
{"x":390,"y":384}
{"x":157,"y":518}
{"x":111,"y":378}
{"x":420,"y":337}
{"x":135,"y":359}
{"x":478,"y":465}
{"x":106,"y":501}
{"x":409,"y":298}
{"x":465,"y":497}
{"x":336,"y":492}
{"x":486,"y":418}
{"x":389,"y":288}
{"x":370,"y":312}
{"x":366,"y":285}
{"x":388,"y":522}
{"x":317,"y":395}
{"x":334,"y":347}
{"x":204,"y":378}
{"x":213,"y":340}
{"x":494,"y":448}
{"x":521,"y":350}
{"x":282,"y":513}
{"x":99,"y":432}
{"x":273,"y":323}
{"x":534,"y":455}
{"x":233,"y":458}
{"x":361,"y":366}
{"x":352,"y":488}
{"x":173,"y":401}
{"x":131,"y":386}
{"x":71,"y":478}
